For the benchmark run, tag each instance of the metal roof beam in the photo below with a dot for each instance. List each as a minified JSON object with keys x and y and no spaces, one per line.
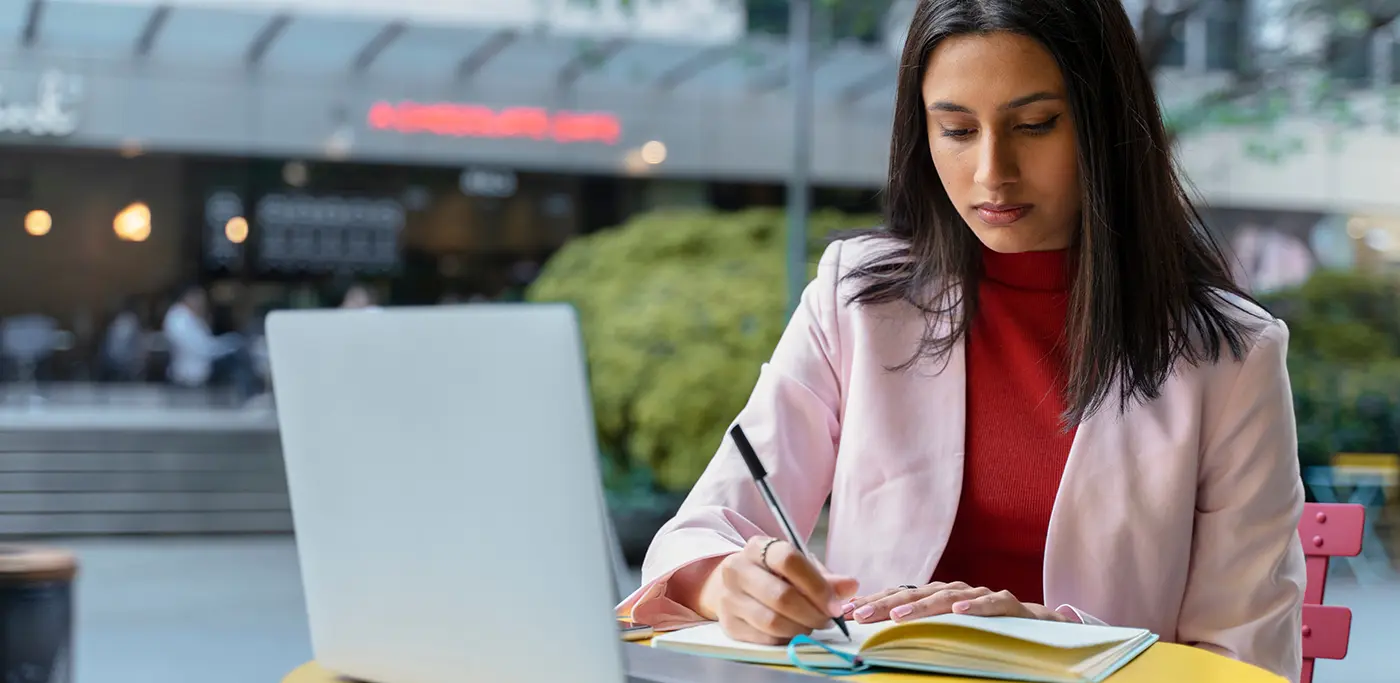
{"x":588,"y":60}
{"x":778,"y":78}
{"x":485,"y":52}
{"x":376,"y":45}
{"x":262,"y":42}
{"x":694,"y":66}
{"x":151,"y":30}
{"x":862,"y":88}
{"x":30,"y":33}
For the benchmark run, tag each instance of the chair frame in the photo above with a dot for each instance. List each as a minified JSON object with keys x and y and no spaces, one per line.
{"x":1326,"y":530}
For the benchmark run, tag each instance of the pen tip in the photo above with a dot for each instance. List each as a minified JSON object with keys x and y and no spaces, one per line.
{"x":841,"y":624}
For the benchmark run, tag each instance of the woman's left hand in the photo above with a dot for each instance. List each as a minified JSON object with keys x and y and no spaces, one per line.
{"x":905,"y":604}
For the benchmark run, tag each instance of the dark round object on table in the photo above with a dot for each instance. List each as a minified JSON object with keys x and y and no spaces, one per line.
{"x":36,"y":614}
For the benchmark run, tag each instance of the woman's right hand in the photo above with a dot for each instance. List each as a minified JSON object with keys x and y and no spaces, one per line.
{"x":769,"y":597}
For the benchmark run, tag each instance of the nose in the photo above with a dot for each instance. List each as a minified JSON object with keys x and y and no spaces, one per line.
{"x":997,"y":165}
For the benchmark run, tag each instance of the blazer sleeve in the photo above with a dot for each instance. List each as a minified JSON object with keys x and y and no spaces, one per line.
{"x":1244,"y":592}
{"x":792,"y":420}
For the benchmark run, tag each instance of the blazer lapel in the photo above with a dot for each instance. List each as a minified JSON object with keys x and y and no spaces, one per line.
{"x":1115,"y":498}
{"x":900,"y":473}
{"x":945,"y":398}
{"x":1068,"y":537}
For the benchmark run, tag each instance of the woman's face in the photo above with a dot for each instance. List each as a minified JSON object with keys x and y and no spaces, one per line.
{"x":1002,"y":140}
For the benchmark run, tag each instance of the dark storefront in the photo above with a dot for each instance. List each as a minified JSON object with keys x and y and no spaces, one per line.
{"x":273,"y":233}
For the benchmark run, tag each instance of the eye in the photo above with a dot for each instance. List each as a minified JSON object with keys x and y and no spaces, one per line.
{"x":1041,"y":128}
{"x":956,"y":133}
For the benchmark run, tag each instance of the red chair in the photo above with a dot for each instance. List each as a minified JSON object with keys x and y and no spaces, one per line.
{"x":1326,"y":530}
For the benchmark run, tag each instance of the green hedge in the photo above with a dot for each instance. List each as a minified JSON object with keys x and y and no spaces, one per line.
{"x":678,"y":309}
{"x":1344,"y":362}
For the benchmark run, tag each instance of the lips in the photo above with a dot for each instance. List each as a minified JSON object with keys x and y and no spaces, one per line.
{"x":1002,"y":214}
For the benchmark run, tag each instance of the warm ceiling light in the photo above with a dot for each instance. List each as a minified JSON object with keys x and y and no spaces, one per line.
{"x":654,"y":152}
{"x":1356,"y":228}
{"x":38,"y":222}
{"x":133,"y":224}
{"x":236,"y":229}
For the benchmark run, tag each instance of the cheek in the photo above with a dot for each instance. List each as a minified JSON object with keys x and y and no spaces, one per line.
{"x":953,"y":171}
{"x":1057,"y":173}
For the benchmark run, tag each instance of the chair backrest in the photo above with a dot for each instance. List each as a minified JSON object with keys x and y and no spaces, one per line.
{"x":1327,"y":530}
{"x":28,"y":338}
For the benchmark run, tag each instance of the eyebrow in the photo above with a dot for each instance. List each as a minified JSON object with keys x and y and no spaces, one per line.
{"x":1013,"y":104}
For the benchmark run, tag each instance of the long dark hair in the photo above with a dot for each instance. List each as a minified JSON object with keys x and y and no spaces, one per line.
{"x":1151,"y":287}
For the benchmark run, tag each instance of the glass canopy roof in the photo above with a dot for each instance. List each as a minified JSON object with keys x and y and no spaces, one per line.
{"x":262,"y":40}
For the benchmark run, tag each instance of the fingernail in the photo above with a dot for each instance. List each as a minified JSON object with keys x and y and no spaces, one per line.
{"x":848,"y":607}
{"x":962,"y":606}
{"x":901,"y":611}
{"x":837,"y":608}
{"x":864,"y":612}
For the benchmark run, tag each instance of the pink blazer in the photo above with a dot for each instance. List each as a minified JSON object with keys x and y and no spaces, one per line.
{"x":1179,"y":516}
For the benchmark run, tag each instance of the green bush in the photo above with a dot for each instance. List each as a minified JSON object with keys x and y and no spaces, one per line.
{"x":1341,"y":316}
{"x":1344,"y":362}
{"x":678,"y":310}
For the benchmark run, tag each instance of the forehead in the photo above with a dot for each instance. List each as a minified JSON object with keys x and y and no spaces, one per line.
{"x":989,"y":69}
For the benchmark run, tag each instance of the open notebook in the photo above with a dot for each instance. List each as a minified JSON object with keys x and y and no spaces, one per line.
{"x":954,"y":644}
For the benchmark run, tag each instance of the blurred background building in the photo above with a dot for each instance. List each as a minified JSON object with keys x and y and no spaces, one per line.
{"x":434,"y":149}
{"x":444,"y":149}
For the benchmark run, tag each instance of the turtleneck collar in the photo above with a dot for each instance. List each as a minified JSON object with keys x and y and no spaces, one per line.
{"x":1046,"y":271}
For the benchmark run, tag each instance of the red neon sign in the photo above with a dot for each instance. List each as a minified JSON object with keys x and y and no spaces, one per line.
{"x":477,"y":121}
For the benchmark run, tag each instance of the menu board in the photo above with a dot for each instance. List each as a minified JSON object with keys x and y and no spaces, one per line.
{"x":304,"y":233}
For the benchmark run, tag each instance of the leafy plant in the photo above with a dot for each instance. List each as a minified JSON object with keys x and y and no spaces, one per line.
{"x":678,"y":310}
{"x":1344,"y":362}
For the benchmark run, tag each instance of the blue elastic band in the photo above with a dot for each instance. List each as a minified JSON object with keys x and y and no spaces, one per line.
{"x":856,"y":665}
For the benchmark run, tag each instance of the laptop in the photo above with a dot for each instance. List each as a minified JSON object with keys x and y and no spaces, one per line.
{"x":445,"y":491}
{"x":442,"y":465}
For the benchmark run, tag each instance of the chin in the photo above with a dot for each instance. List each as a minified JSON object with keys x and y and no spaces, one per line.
{"x":1004,"y":241}
{"x":1015,"y":239}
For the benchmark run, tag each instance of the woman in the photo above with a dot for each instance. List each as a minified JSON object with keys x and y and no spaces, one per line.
{"x":1035,"y":393}
{"x":357,"y":296}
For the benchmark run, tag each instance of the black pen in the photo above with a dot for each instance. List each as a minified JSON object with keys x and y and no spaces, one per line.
{"x":760,"y":477}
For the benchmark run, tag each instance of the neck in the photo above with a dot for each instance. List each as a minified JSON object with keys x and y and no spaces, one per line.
{"x":1047,"y":271}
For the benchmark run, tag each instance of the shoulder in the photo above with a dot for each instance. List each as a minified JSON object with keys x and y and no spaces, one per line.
{"x":1261,"y":349}
{"x":174,"y":315}
{"x":864,"y":249}
{"x":1259,"y":327}
{"x":846,"y":263}
{"x":859,"y":303}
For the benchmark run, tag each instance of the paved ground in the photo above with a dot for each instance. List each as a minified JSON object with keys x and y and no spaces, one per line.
{"x":229,"y":610}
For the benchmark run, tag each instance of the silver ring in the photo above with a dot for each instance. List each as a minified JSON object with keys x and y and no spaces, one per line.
{"x":763,"y":554}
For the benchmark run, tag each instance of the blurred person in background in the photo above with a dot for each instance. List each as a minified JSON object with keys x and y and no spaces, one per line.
{"x":125,"y":346}
{"x":358,"y":295}
{"x":1036,"y":392}
{"x":197,"y":355}
{"x":258,"y":355}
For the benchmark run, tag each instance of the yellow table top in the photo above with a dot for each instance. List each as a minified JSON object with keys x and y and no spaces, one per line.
{"x":1161,"y":663}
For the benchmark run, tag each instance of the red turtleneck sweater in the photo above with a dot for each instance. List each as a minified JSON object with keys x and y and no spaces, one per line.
{"x":1015,"y":448}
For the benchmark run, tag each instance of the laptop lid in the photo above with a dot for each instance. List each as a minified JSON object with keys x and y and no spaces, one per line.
{"x":444,"y":481}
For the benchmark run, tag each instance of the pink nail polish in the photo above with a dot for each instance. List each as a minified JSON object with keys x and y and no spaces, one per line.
{"x":961,"y":606}
{"x":901,"y":611}
{"x":864,"y":612}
